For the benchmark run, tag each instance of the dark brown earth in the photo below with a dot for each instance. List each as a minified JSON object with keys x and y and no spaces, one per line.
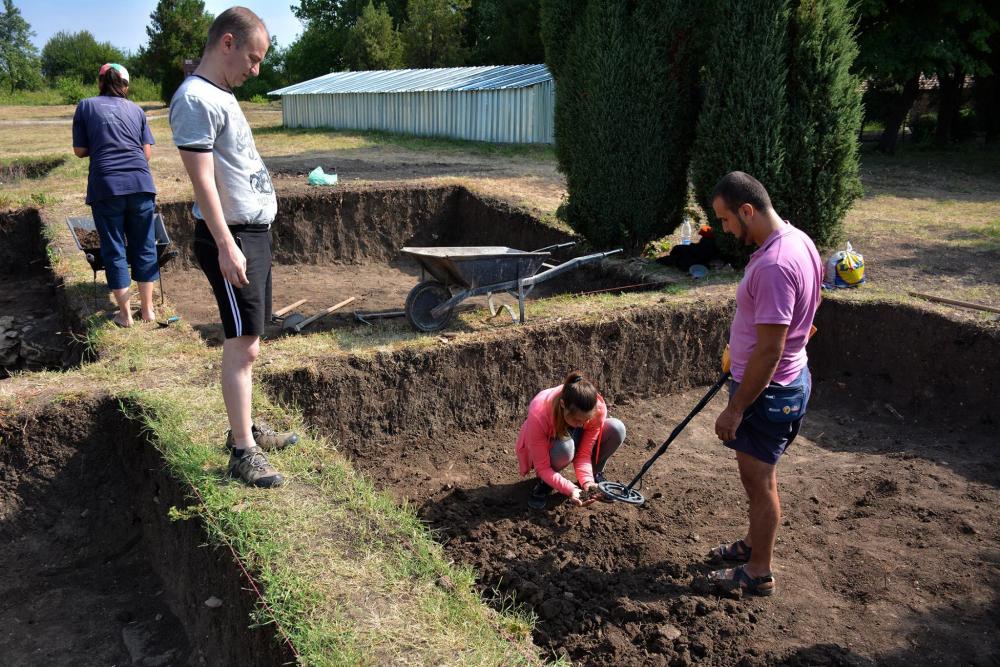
{"x":887,"y":551}
{"x":34,"y":329}
{"x":78,"y":586}
{"x":95,"y":572}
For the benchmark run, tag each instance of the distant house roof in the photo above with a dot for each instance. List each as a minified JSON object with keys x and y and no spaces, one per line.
{"x":421,"y":80}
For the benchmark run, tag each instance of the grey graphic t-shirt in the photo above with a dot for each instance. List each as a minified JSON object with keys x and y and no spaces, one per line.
{"x":207,"y":118}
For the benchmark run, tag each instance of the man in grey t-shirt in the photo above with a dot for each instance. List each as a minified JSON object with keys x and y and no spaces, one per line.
{"x":234,"y":206}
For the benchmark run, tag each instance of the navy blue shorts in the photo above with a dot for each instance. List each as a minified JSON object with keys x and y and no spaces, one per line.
{"x":764,"y":438}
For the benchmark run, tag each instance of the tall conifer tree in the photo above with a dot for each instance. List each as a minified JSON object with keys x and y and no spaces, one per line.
{"x":741,"y":126}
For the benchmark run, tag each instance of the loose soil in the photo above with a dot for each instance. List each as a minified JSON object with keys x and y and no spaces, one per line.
{"x":96,"y":573}
{"x":886,"y":554}
{"x":887,"y":550}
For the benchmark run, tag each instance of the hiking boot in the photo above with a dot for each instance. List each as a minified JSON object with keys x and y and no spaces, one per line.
{"x":266,"y":438}
{"x":252,"y":467}
{"x":539,"y":497}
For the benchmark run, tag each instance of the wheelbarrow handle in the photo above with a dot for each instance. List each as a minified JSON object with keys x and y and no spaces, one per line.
{"x":557,"y":246}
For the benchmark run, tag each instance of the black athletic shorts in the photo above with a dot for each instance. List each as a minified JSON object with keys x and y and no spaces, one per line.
{"x":244,"y":311}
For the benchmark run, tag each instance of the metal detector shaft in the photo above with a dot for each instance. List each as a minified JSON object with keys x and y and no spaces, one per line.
{"x":680,"y":427}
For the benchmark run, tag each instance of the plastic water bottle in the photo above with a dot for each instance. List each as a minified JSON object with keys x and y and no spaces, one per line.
{"x":686,"y":231}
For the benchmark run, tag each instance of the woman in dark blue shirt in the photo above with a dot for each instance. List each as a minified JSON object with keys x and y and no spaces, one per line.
{"x":113,"y":133}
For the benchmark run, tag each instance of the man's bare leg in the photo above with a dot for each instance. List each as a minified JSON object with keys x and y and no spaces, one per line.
{"x":238,"y":356}
{"x":761,"y":483}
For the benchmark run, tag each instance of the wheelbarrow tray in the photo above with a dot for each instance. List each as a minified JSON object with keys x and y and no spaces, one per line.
{"x":471,"y":267}
{"x":79,"y":224}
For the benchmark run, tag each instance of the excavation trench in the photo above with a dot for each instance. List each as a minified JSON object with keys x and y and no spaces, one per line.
{"x":95,"y":571}
{"x":883,"y":488}
{"x":347,"y":243}
{"x":35,"y":320}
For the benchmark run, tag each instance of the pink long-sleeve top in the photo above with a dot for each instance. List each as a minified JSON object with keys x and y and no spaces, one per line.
{"x":537,"y":433}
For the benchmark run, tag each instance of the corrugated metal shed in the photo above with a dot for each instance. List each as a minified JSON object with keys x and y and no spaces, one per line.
{"x":507,"y":104}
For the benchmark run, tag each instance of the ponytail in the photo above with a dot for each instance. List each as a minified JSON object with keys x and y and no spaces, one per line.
{"x":578,"y":394}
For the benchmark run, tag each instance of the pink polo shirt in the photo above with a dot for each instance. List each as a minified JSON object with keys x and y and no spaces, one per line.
{"x":535,"y":439}
{"x":781,"y":285}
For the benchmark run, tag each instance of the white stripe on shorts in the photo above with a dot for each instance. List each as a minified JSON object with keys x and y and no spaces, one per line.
{"x":232,"y":304}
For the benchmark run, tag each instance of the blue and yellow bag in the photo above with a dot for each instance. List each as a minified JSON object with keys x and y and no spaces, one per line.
{"x":845,"y":268}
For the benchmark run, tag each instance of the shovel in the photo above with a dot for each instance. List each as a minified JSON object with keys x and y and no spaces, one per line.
{"x":279,"y":315}
{"x":295,"y":323}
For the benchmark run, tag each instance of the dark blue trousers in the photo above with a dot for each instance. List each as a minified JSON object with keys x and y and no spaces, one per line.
{"x":125,"y":225}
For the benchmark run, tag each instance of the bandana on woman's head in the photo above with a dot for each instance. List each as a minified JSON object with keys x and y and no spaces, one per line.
{"x":122,"y":72}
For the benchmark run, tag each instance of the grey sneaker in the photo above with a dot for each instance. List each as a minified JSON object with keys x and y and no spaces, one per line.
{"x":266,"y":438}
{"x":252,"y":467}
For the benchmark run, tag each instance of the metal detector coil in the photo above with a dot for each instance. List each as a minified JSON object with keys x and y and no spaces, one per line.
{"x":626,"y":493}
{"x":621,"y":493}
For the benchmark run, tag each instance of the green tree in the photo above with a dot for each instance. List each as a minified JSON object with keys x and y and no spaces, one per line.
{"x":433,"y":34}
{"x":373,"y":42}
{"x":314,"y":54}
{"x":506,"y":32}
{"x":178,"y":29}
{"x":321,"y":48}
{"x":900,"y":40}
{"x":626,"y":106}
{"x":824,"y":119}
{"x":77,"y":55}
{"x":742,"y":122}
{"x":18,"y":56}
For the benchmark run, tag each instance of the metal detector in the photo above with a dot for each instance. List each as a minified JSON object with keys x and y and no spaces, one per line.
{"x":628,"y":494}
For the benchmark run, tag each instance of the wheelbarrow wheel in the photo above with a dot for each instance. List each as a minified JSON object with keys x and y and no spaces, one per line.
{"x":424,"y":298}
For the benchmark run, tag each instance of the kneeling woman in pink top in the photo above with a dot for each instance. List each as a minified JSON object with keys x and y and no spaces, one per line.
{"x":568,"y":423}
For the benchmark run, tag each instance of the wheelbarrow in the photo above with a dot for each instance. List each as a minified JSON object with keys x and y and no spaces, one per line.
{"x":85,"y":235}
{"x":457,"y":273}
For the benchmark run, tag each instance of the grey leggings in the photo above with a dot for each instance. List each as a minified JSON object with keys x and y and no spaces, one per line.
{"x":563,"y":450}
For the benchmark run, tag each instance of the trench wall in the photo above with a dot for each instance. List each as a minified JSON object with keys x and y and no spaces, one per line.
{"x":939,"y":369}
{"x":22,"y":244}
{"x":930,"y":366}
{"x":372,"y":225}
{"x":34,"y":450}
{"x":477,"y":384}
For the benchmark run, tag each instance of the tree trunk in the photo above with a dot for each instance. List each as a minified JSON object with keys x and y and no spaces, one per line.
{"x":897,"y":114}
{"x":949,"y":105}
{"x":988,"y":106}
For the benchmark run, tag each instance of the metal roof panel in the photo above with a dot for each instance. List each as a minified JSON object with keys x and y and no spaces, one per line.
{"x":497,"y":77}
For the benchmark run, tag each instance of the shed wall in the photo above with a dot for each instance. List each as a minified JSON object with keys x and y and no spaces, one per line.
{"x":513,"y":115}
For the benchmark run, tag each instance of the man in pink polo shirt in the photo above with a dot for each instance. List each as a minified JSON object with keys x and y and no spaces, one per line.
{"x":775,"y":305}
